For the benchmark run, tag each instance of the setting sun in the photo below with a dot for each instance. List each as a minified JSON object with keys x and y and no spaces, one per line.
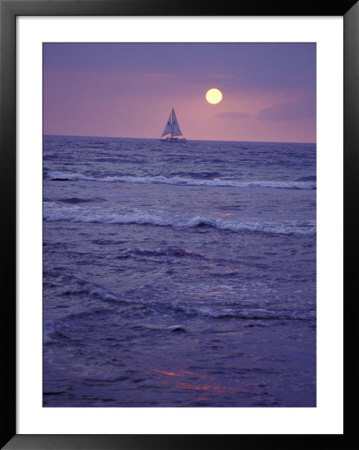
{"x":213,"y":96}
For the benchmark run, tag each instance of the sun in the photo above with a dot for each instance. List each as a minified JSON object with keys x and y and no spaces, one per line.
{"x":214,"y":96}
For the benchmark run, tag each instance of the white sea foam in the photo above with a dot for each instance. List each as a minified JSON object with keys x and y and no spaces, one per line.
{"x":216,"y":182}
{"x":55,"y":212}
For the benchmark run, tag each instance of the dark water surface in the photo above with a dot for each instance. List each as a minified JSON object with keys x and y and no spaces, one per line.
{"x":179,"y":274}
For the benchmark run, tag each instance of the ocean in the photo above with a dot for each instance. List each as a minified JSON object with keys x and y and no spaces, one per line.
{"x":178,"y":274}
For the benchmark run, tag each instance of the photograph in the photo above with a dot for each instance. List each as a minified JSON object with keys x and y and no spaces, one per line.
{"x":179,"y":224}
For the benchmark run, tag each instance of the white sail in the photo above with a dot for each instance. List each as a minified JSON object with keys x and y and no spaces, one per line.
{"x":175,"y":127}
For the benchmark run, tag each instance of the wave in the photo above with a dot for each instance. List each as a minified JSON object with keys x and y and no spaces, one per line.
{"x":308,"y":178}
{"x":158,"y":252}
{"x":254,"y":314}
{"x":74,"y":200}
{"x":61,"y":332}
{"x":54,"y":334}
{"x":53,"y":212}
{"x":304,"y":183}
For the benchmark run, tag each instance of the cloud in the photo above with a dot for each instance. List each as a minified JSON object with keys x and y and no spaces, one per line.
{"x":300,"y":109}
{"x":232,"y":115}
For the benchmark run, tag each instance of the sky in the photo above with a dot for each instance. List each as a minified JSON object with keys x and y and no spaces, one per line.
{"x":128,"y":90}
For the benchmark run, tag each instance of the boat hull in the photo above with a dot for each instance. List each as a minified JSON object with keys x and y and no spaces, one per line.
{"x":173,"y":140}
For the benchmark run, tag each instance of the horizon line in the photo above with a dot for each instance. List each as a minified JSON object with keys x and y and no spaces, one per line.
{"x":188,"y":140}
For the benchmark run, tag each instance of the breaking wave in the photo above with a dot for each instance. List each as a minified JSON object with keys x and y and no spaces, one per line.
{"x":309,"y":183}
{"x":53,"y":212}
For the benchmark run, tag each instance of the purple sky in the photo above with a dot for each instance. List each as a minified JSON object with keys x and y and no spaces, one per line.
{"x":128,"y":90}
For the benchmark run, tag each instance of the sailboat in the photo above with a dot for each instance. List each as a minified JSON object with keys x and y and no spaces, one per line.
{"x":172,"y":131}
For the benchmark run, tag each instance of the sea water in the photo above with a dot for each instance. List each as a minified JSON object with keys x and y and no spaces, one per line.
{"x":178,"y":274}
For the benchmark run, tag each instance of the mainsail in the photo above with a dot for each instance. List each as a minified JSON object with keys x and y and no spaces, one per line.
{"x":175,"y":127}
{"x":172,"y":126}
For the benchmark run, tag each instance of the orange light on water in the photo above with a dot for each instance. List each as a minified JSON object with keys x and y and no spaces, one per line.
{"x":222,"y":214}
{"x":202,"y":398}
{"x":206,"y":386}
{"x":170,"y":374}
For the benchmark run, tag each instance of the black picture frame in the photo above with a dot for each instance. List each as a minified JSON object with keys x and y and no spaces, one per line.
{"x":9,"y":10}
